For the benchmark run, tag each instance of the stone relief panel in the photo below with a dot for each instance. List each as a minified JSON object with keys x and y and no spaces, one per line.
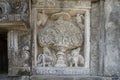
{"x":19,"y":52}
{"x":61,"y":40}
{"x":61,"y":3}
{"x":61,"y":37}
{"x":19,"y":6}
{"x":24,"y":48}
{"x":14,"y":10}
{"x":4,"y":8}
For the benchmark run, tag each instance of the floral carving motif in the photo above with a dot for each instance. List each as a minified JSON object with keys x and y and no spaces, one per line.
{"x":19,"y":6}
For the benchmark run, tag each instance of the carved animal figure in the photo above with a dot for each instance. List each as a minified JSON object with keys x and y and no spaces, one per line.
{"x":76,"y":58}
{"x":42,"y":19}
{"x":46,"y":59}
{"x":25,"y":55}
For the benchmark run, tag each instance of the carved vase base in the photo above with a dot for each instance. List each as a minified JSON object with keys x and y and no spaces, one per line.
{"x":60,"y":59}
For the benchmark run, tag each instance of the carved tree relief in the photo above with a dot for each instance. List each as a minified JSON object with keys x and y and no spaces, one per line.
{"x":61,"y":36}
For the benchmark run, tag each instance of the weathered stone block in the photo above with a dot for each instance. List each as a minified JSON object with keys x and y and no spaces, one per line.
{"x":6,"y":77}
{"x":112,"y":56}
{"x":42,"y":77}
{"x":89,"y":78}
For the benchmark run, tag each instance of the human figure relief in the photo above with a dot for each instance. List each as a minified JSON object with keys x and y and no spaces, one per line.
{"x":76,"y":58}
{"x":46,"y":59}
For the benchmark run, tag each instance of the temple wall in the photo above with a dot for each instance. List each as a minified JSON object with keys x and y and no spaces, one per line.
{"x":62,"y":40}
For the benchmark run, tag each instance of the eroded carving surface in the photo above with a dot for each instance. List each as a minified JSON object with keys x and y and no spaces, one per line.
{"x":20,"y":53}
{"x":46,"y":59}
{"x":60,"y":38}
{"x":14,"y":10}
{"x":76,"y":58}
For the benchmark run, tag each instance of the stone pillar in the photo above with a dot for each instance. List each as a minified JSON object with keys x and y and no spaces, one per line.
{"x":87,"y":39}
{"x":18,"y":53}
{"x":12,"y":51}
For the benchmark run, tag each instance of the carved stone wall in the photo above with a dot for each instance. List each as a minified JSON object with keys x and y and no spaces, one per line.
{"x":14,"y":10}
{"x":65,"y":39}
{"x":14,"y":16}
{"x":19,"y":53}
{"x":112,"y":38}
{"x":61,"y":37}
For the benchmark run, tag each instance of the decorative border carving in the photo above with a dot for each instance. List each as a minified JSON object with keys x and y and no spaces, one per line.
{"x":61,"y":4}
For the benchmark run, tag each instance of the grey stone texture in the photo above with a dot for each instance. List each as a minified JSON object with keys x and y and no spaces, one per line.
{"x":58,"y":37}
{"x":112,"y":28}
{"x":94,"y":63}
{"x":19,"y":56}
{"x":72,"y":78}
{"x":43,"y":77}
{"x":14,"y":10}
{"x":5,"y":77}
{"x":24,"y":46}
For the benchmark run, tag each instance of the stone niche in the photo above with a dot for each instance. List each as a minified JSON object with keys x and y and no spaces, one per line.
{"x":61,"y":37}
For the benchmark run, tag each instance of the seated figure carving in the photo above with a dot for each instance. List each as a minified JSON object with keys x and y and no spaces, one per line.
{"x":46,"y":59}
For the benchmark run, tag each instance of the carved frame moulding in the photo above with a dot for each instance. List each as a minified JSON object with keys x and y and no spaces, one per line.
{"x":61,"y":37}
{"x":9,"y":25}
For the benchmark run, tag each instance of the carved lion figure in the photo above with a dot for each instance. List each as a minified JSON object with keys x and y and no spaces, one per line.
{"x":75,"y":59}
